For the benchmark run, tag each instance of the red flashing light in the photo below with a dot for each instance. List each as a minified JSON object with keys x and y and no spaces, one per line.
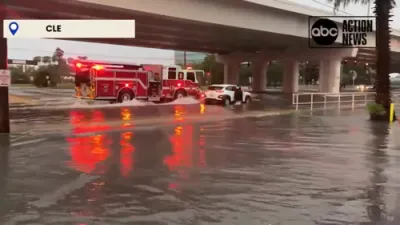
{"x":208,"y":74}
{"x":98,"y":67}
{"x":189,"y":68}
{"x":126,"y":85}
{"x":179,"y":84}
{"x":78,"y":65}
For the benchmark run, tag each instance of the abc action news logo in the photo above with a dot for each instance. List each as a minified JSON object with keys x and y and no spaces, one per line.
{"x":342,"y":32}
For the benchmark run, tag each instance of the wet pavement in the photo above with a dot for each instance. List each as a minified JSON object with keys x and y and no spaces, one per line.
{"x":239,"y":168}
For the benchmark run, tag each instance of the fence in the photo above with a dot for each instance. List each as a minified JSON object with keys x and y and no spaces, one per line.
{"x":314,"y":100}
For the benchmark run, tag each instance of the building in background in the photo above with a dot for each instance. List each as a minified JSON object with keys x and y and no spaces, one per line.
{"x":191,"y":57}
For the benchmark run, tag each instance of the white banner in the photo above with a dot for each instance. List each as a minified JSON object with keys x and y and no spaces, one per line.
{"x":69,"y":29}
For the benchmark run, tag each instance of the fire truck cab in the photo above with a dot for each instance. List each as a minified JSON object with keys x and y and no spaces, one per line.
{"x":123,"y":82}
{"x":178,"y":82}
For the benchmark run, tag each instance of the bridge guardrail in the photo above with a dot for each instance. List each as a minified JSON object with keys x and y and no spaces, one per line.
{"x":325,"y":100}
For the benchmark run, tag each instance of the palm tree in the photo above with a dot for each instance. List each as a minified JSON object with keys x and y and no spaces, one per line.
{"x":382,"y":11}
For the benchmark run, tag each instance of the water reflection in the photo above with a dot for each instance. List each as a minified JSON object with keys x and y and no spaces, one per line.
{"x":89,"y":152}
{"x":376,"y":208}
{"x":127,"y":151}
{"x":179,"y":112}
{"x":202,"y":109}
{"x":188,"y":151}
{"x":127,"y":148}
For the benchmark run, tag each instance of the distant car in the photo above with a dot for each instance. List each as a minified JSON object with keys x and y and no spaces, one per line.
{"x":226,"y":94}
{"x":365,"y":87}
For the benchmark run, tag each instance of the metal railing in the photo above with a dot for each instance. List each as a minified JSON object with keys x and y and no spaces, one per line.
{"x":314,"y":100}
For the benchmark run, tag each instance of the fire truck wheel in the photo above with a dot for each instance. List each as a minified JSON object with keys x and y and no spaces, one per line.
{"x":125,"y":95}
{"x":180,"y":94}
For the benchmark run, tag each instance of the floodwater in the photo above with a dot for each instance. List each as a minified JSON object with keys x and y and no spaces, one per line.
{"x":281,"y":170}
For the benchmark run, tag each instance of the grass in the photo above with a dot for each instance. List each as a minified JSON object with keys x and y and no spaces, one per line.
{"x":59,"y":86}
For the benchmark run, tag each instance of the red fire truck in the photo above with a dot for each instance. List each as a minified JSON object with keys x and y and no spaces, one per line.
{"x":123,"y":82}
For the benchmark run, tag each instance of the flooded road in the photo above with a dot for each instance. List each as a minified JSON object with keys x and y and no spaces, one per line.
{"x":293,"y":169}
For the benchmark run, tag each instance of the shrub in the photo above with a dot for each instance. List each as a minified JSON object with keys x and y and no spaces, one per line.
{"x":19,"y":77}
{"x":376,"y":109}
{"x":40,"y":78}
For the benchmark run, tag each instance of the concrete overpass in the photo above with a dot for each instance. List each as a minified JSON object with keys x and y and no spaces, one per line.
{"x":236,"y":30}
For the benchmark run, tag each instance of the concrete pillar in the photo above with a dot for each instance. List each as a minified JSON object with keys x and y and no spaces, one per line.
{"x":259,"y":71}
{"x":231,"y":72}
{"x":329,"y":73}
{"x":231,"y":66}
{"x":291,"y":77}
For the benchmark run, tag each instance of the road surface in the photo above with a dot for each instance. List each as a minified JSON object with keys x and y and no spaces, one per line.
{"x":281,"y":170}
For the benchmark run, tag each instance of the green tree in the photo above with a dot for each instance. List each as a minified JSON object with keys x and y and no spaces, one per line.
{"x":41,"y":76}
{"x":46,"y":59}
{"x":37,"y":59}
{"x":382,"y":11}
{"x":59,"y":70}
{"x":210,"y":65}
{"x":275,"y":73}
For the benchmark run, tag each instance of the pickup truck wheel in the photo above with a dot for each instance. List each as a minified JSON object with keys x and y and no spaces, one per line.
{"x":125,"y":96}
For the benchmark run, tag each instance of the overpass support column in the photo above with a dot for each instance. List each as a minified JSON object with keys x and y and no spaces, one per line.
{"x":231,"y":67}
{"x":231,"y":72}
{"x":291,"y":77}
{"x":260,"y":68}
{"x":329,"y":76}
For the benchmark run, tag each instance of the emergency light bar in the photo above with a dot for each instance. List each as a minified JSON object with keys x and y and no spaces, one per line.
{"x":80,"y":64}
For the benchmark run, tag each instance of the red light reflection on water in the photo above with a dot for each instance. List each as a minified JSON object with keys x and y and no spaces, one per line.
{"x":181,"y":159}
{"x":186,"y":153}
{"x":182,"y":147}
{"x":87,"y":152}
{"x":179,"y":111}
{"x":202,"y":146}
{"x":127,"y":148}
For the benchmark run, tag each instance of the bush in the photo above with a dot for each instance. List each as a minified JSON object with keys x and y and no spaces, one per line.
{"x":47,"y":76}
{"x":376,"y":109}
{"x":19,"y":77}
{"x":40,"y":78}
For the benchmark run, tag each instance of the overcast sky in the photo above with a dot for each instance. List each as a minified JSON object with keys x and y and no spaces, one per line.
{"x":28,"y":48}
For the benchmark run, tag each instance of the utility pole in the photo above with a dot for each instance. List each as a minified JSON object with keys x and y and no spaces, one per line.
{"x":184,"y":59}
{"x":4,"y":104}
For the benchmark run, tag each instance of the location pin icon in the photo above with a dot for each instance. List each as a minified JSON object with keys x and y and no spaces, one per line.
{"x":13,"y":27}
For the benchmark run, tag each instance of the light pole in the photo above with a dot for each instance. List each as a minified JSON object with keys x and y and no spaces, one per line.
{"x":184,"y":59}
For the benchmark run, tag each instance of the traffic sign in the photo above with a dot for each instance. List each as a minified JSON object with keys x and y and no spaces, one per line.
{"x":5,"y":78}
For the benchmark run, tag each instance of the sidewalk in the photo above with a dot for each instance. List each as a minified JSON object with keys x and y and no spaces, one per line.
{"x":15,"y":100}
